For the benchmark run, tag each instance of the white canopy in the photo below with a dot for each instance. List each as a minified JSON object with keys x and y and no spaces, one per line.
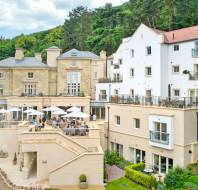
{"x":52,"y":108}
{"x":59,"y":112}
{"x":29,"y":110}
{"x":35,"y":112}
{"x":14,"y":109}
{"x":4,"y":111}
{"x":77,"y":115}
{"x":74,"y":109}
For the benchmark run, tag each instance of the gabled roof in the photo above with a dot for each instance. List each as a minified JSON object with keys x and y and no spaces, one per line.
{"x":74,"y":53}
{"x":184,"y":34}
{"x":25,"y":62}
{"x":180,"y":35}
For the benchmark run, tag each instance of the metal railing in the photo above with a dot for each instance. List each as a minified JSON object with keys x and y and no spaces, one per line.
{"x":8,"y":124}
{"x":195,"y":52}
{"x":109,"y":80}
{"x":159,"y":137}
{"x":180,"y":102}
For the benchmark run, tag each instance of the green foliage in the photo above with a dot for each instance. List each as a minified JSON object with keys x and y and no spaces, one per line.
{"x":190,"y":186}
{"x":193,"y":168}
{"x":113,"y":158}
{"x":83,"y":178}
{"x":139,"y":166}
{"x":176,"y":178}
{"x":123,"y":164}
{"x":139,"y":177}
{"x":193,"y":179}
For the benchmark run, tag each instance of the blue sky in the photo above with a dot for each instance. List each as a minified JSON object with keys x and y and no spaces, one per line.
{"x":27,"y":16}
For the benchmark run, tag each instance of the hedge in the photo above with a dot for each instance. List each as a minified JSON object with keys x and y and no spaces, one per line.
{"x":134,"y":173}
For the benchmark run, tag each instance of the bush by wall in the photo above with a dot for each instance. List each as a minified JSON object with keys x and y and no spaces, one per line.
{"x":113,"y":158}
{"x":134,"y":173}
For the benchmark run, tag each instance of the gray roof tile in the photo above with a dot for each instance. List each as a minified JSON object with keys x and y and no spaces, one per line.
{"x":74,"y":53}
{"x":25,"y":62}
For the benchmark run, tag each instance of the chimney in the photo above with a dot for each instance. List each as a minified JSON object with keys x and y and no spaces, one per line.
{"x":19,"y":54}
{"x":103,"y":54}
{"x":38,"y":57}
{"x":52,"y":54}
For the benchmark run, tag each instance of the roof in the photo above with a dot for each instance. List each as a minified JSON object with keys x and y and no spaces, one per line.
{"x":25,"y":62}
{"x":74,"y":53}
{"x":184,"y":34}
{"x":180,"y":35}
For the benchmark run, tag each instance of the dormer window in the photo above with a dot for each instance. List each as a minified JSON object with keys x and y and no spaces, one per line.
{"x":30,"y":75}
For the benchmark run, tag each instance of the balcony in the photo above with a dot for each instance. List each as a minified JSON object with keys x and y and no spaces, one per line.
{"x":195,"y":52}
{"x":159,"y":137}
{"x":102,"y":97}
{"x":109,"y":80}
{"x":172,"y":102}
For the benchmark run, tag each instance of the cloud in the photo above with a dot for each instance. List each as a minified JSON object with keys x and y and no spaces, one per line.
{"x":27,"y":16}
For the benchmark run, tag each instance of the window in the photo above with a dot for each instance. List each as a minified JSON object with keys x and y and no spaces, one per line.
{"x":116,"y":77}
{"x":30,"y":75}
{"x":117,"y":120}
{"x":1,"y":89}
{"x":131,"y":72}
{"x":136,"y":123}
{"x":95,"y":75}
{"x":148,"y":50}
{"x":73,"y":83}
{"x":1,"y":75}
{"x":120,"y":61}
{"x":148,"y":71}
{"x":117,"y":148}
{"x":176,"y":92}
{"x":136,"y":155}
{"x":175,"y":69}
{"x":132,"y":52}
{"x":116,"y":91}
{"x":102,"y":95}
{"x":193,"y":93}
{"x":159,"y":134}
{"x":111,"y":62}
{"x":176,"y":47}
{"x":30,"y":89}
{"x":162,"y":164}
{"x":132,"y":92}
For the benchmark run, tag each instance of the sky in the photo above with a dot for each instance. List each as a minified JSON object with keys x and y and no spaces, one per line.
{"x":28,"y":16}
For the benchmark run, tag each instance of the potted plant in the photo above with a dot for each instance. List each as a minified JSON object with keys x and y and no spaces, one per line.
{"x":15,"y":159}
{"x":83,"y":181}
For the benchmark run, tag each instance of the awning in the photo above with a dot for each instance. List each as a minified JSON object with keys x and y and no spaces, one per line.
{"x":3,"y":101}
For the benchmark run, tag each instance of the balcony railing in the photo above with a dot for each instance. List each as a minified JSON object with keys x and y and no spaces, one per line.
{"x":80,"y":94}
{"x":180,"y":102}
{"x":102,"y":97}
{"x":109,"y":80}
{"x":159,"y":137}
{"x":195,"y":52}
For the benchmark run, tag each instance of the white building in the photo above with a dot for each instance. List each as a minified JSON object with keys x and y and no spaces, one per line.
{"x":153,"y":63}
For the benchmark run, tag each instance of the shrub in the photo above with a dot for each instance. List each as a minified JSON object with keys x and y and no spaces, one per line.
{"x":123,"y":164}
{"x":193,"y":179}
{"x":83,"y":178}
{"x":105,"y":173}
{"x":193,"y":168}
{"x":176,"y":178}
{"x":113,"y":158}
{"x":139,"y":177}
{"x":190,"y":186}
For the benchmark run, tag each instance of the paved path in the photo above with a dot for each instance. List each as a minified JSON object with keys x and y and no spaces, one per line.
{"x":114,"y":173}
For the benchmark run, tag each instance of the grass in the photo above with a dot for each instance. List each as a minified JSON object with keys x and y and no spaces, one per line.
{"x":123,"y":184}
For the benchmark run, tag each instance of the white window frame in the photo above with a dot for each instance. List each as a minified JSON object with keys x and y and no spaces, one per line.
{"x":30,"y":75}
{"x":174,"y":92}
{"x":133,"y":153}
{"x":30,"y":89}
{"x":146,"y":71}
{"x":148,"y":50}
{"x":73,"y":83}
{"x":176,"y":47}
{"x":173,"y":69}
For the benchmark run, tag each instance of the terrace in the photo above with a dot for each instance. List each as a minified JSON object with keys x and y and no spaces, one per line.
{"x":173,"y":102}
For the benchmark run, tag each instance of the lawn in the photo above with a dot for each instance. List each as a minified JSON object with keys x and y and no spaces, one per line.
{"x":123,"y":184}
